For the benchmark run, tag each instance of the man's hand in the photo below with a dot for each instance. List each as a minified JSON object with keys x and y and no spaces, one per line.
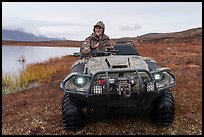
{"x":86,"y":50}
{"x":96,"y":46}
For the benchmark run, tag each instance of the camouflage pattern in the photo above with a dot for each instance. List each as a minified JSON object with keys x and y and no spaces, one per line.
{"x":92,"y":40}
{"x":100,"y":24}
{"x":135,"y":62}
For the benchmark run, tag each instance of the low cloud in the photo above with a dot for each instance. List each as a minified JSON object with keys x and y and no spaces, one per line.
{"x":130,"y":28}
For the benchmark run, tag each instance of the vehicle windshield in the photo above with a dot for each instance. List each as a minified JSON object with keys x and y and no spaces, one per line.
{"x":126,"y":48}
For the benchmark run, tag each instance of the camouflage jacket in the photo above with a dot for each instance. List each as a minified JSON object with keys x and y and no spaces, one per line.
{"x":92,"y":40}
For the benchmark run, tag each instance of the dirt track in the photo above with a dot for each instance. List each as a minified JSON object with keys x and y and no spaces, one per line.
{"x":38,"y":110}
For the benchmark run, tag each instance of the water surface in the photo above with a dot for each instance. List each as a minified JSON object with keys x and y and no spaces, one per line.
{"x":32,"y":54}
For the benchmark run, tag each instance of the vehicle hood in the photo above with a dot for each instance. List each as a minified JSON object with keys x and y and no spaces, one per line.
{"x":116,"y":62}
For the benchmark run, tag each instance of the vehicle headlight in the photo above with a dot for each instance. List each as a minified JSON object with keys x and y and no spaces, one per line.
{"x":77,"y":83}
{"x":80,"y":81}
{"x":158,"y":77}
{"x":163,"y":79}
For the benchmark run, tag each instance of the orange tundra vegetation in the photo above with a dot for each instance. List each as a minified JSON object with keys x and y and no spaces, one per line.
{"x":38,"y":110}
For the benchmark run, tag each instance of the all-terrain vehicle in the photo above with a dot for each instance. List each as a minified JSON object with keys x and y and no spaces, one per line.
{"x":115,"y":81}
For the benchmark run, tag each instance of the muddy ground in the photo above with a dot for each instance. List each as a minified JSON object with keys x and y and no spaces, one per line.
{"x":38,"y":110}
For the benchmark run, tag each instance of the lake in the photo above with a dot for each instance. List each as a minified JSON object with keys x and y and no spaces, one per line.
{"x":32,"y":54}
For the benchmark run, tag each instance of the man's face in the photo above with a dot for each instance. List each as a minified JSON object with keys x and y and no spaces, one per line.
{"x":98,"y":31}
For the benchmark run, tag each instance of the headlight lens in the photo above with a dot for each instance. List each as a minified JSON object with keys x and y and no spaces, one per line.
{"x":163,"y":79}
{"x":78,"y":83}
{"x":158,"y":77}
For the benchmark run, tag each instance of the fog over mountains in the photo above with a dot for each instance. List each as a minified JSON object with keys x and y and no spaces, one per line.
{"x":18,"y":35}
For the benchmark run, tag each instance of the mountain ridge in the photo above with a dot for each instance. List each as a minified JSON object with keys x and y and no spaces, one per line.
{"x":18,"y":35}
{"x":184,"y":36}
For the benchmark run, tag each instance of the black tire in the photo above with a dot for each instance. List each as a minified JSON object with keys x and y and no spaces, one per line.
{"x":72,"y":117}
{"x":163,"y":112}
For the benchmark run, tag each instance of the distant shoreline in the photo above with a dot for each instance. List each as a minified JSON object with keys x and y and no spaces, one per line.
{"x":62,"y":43}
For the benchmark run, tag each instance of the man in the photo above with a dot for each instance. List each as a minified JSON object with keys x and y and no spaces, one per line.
{"x":97,"y":41}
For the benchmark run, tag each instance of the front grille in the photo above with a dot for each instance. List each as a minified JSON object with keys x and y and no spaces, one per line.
{"x":113,"y":81}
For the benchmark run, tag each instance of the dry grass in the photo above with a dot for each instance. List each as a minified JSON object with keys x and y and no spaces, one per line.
{"x":39,"y":72}
{"x":10,"y":82}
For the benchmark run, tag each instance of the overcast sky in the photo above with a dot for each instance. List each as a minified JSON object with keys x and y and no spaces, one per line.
{"x":75,"y":20}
